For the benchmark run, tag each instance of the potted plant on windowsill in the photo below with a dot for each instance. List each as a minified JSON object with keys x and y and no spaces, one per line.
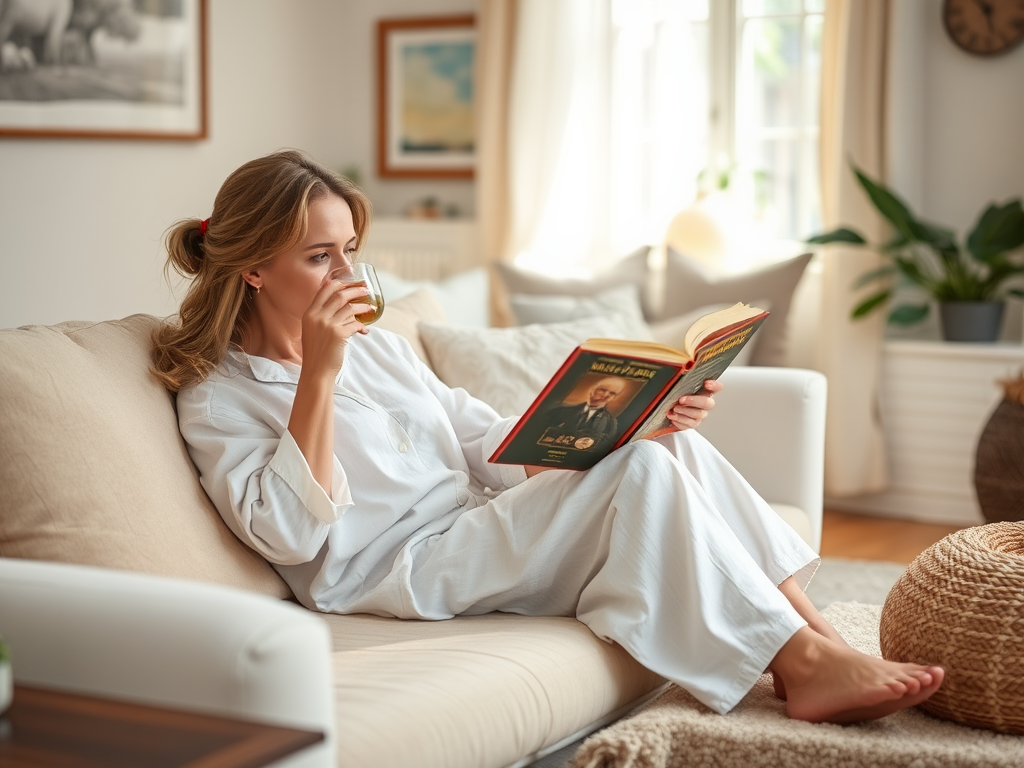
{"x":970,"y":284}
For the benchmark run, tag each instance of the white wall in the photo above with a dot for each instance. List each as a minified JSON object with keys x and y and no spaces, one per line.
{"x":956,"y":125}
{"x":82,"y":221}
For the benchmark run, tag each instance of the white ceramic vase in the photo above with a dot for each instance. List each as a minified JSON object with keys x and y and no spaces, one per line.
{"x":6,"y":686}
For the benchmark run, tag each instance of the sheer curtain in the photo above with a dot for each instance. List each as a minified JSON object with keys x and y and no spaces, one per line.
{"x":496,"y":25}
{"x":593,"y":126}
{"x":853,"y":126}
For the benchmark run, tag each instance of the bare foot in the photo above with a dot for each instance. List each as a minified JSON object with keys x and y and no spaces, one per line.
{"x":825,"y":682}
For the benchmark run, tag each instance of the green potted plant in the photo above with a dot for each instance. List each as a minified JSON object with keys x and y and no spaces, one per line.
{"x":969,"y":283}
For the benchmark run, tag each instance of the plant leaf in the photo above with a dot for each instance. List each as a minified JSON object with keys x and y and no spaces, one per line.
{"x":870,"y":304}
{"x":1016,"y":292}
{"x":841,"y":235}
{"x":999,"y":229}
{"x":908,"y":314}
{"x":907,"y":224}
{"x":874,"y":274}
{"x":889,"y":205}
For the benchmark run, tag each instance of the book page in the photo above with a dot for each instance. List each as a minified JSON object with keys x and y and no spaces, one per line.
{"x":714,"y":323}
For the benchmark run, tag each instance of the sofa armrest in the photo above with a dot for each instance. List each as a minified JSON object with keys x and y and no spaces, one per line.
{"x":166,"y":642}
{"x":770,"y":424}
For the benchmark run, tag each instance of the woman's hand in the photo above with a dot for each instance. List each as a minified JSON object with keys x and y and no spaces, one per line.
{"x":691,"y":410}
{"x":329,"y":323}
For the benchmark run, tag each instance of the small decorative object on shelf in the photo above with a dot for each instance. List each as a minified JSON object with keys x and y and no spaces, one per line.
{"x":970,"y":284}
{"x":998,"y":471}
{"x":6,"y":677}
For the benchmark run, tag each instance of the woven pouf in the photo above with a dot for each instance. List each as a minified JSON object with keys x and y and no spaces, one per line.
{"x":960,"y":605}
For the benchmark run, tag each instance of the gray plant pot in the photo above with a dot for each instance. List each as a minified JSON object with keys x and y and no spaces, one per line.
{"x":971,"y":320}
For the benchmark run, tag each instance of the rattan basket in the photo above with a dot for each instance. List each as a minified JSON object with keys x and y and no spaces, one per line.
{"x":960,"y":604}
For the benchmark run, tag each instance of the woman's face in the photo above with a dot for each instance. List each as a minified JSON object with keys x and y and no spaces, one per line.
{"x":289,"y":282}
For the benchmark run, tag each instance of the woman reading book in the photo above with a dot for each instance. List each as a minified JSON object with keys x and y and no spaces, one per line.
{"x":331,"y":450}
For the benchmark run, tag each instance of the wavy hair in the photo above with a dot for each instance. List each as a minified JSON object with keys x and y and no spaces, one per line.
{"x":261,"y":210}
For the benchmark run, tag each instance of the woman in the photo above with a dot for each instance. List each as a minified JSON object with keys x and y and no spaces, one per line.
{"x":331,"y":450}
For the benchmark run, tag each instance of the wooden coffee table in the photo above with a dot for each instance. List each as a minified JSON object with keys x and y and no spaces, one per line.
{"x":63,"y":730}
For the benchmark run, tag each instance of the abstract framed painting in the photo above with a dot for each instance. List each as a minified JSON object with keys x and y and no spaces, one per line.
{"x":425,"y":97}
{"x":121,"y":69}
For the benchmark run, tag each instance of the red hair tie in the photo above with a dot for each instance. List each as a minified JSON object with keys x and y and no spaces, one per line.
{"x":202,"y":227}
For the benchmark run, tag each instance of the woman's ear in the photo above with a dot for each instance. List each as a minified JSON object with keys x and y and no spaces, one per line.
{"x":252,"y":277}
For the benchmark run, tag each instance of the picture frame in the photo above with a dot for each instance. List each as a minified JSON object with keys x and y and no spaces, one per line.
{"x":425,"y":91}
{"x":119,"y":74}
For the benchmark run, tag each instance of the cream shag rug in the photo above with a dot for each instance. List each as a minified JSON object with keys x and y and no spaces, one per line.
{"x":676,"y":731}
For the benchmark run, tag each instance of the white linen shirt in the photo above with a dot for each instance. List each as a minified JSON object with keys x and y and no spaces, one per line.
{"x":410,"y":454}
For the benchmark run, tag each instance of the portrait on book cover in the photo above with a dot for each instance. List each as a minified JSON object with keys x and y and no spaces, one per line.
{"x":588,"y":416}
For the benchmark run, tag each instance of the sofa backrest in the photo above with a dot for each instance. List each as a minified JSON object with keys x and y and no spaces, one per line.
{"x":92,"y":467}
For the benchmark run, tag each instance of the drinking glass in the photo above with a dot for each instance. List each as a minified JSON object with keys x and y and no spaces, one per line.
{"x":362,"y":274}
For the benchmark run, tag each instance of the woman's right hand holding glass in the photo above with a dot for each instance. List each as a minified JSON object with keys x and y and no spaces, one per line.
{"x":328,"y":324}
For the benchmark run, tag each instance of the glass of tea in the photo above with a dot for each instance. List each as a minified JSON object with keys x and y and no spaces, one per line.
{"x":362,"y":274}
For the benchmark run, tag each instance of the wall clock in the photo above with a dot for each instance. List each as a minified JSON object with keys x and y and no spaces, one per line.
{"x":984,"y":27}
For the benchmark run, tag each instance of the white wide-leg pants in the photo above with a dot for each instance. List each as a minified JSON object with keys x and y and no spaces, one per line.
{"x":662,"y":548}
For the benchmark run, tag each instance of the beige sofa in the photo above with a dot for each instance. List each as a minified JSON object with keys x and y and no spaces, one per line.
{"x":117,"y":576}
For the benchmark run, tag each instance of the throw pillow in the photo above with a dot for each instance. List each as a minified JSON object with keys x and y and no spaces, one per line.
{"x":508,"y":367}
{"x":402,"y":315}
{"x":93,"y":468}
{"x":631,"y":270}
{"x":624,"y":300}
{"x":464,"y":296}
{"x":689,"y":285}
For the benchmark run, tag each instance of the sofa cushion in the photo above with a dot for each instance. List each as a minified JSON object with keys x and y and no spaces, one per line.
{"x":402,"y":315}
{"x":93,"y":468}
{"x":474,"y":690}
{"x":630,"y":270}
{"x":508,"y":367}
{"x":529,"y":308}
{"x":689,"y":284}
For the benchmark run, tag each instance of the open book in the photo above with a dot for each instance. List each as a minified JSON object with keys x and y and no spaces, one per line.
{"x":610,"y":392}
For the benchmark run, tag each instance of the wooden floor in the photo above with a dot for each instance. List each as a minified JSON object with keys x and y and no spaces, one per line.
{"x":863,"y":537}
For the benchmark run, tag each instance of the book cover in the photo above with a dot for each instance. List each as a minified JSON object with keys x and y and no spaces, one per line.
{"x":611,"y":392}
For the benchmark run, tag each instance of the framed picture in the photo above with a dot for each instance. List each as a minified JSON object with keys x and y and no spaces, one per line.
{"x":425,"y":97}
{"x":121,"y":69}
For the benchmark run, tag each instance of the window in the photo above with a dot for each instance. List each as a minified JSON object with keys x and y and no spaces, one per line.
{"x":713,"y":92}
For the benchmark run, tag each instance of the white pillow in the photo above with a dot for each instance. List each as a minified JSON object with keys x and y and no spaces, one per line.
{"x":671,"y":332}
{"x":508,"y":367}
{"x":465,"y":297}
{"x":624,"y":300}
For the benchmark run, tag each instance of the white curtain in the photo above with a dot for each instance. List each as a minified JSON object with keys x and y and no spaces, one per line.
{"x":496,"y":24}
{"x":853,"y":126}
{"x":604,"y":105}
{"x":558,"y":139}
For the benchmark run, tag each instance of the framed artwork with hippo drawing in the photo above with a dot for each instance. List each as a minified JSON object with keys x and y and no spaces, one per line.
{"x":121,"y":69}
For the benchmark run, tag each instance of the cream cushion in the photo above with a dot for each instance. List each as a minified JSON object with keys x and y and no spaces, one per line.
{"x":624,"y":300}
{"x":403,"y":688}
{"x":402,"y":315}
{"x":630,"y":270}
{"x":508,"y":367}
{"x":92,"y":465}
{"x":690,"y":284}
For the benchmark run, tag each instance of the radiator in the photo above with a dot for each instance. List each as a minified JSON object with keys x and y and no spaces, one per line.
{"x":422,"y":249}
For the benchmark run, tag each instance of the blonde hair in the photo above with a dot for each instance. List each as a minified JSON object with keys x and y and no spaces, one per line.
{"x":260,"y":210}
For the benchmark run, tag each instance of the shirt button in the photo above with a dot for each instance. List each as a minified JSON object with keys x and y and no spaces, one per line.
{"x":402,"y":447}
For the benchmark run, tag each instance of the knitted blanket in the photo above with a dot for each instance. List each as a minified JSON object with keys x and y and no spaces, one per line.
{"x":676,"y":731}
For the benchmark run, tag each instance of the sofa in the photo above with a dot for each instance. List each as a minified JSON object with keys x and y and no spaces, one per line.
{"x":119,"y":579}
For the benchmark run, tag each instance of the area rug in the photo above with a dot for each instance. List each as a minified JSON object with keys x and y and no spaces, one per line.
{"x":676,"y":731}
